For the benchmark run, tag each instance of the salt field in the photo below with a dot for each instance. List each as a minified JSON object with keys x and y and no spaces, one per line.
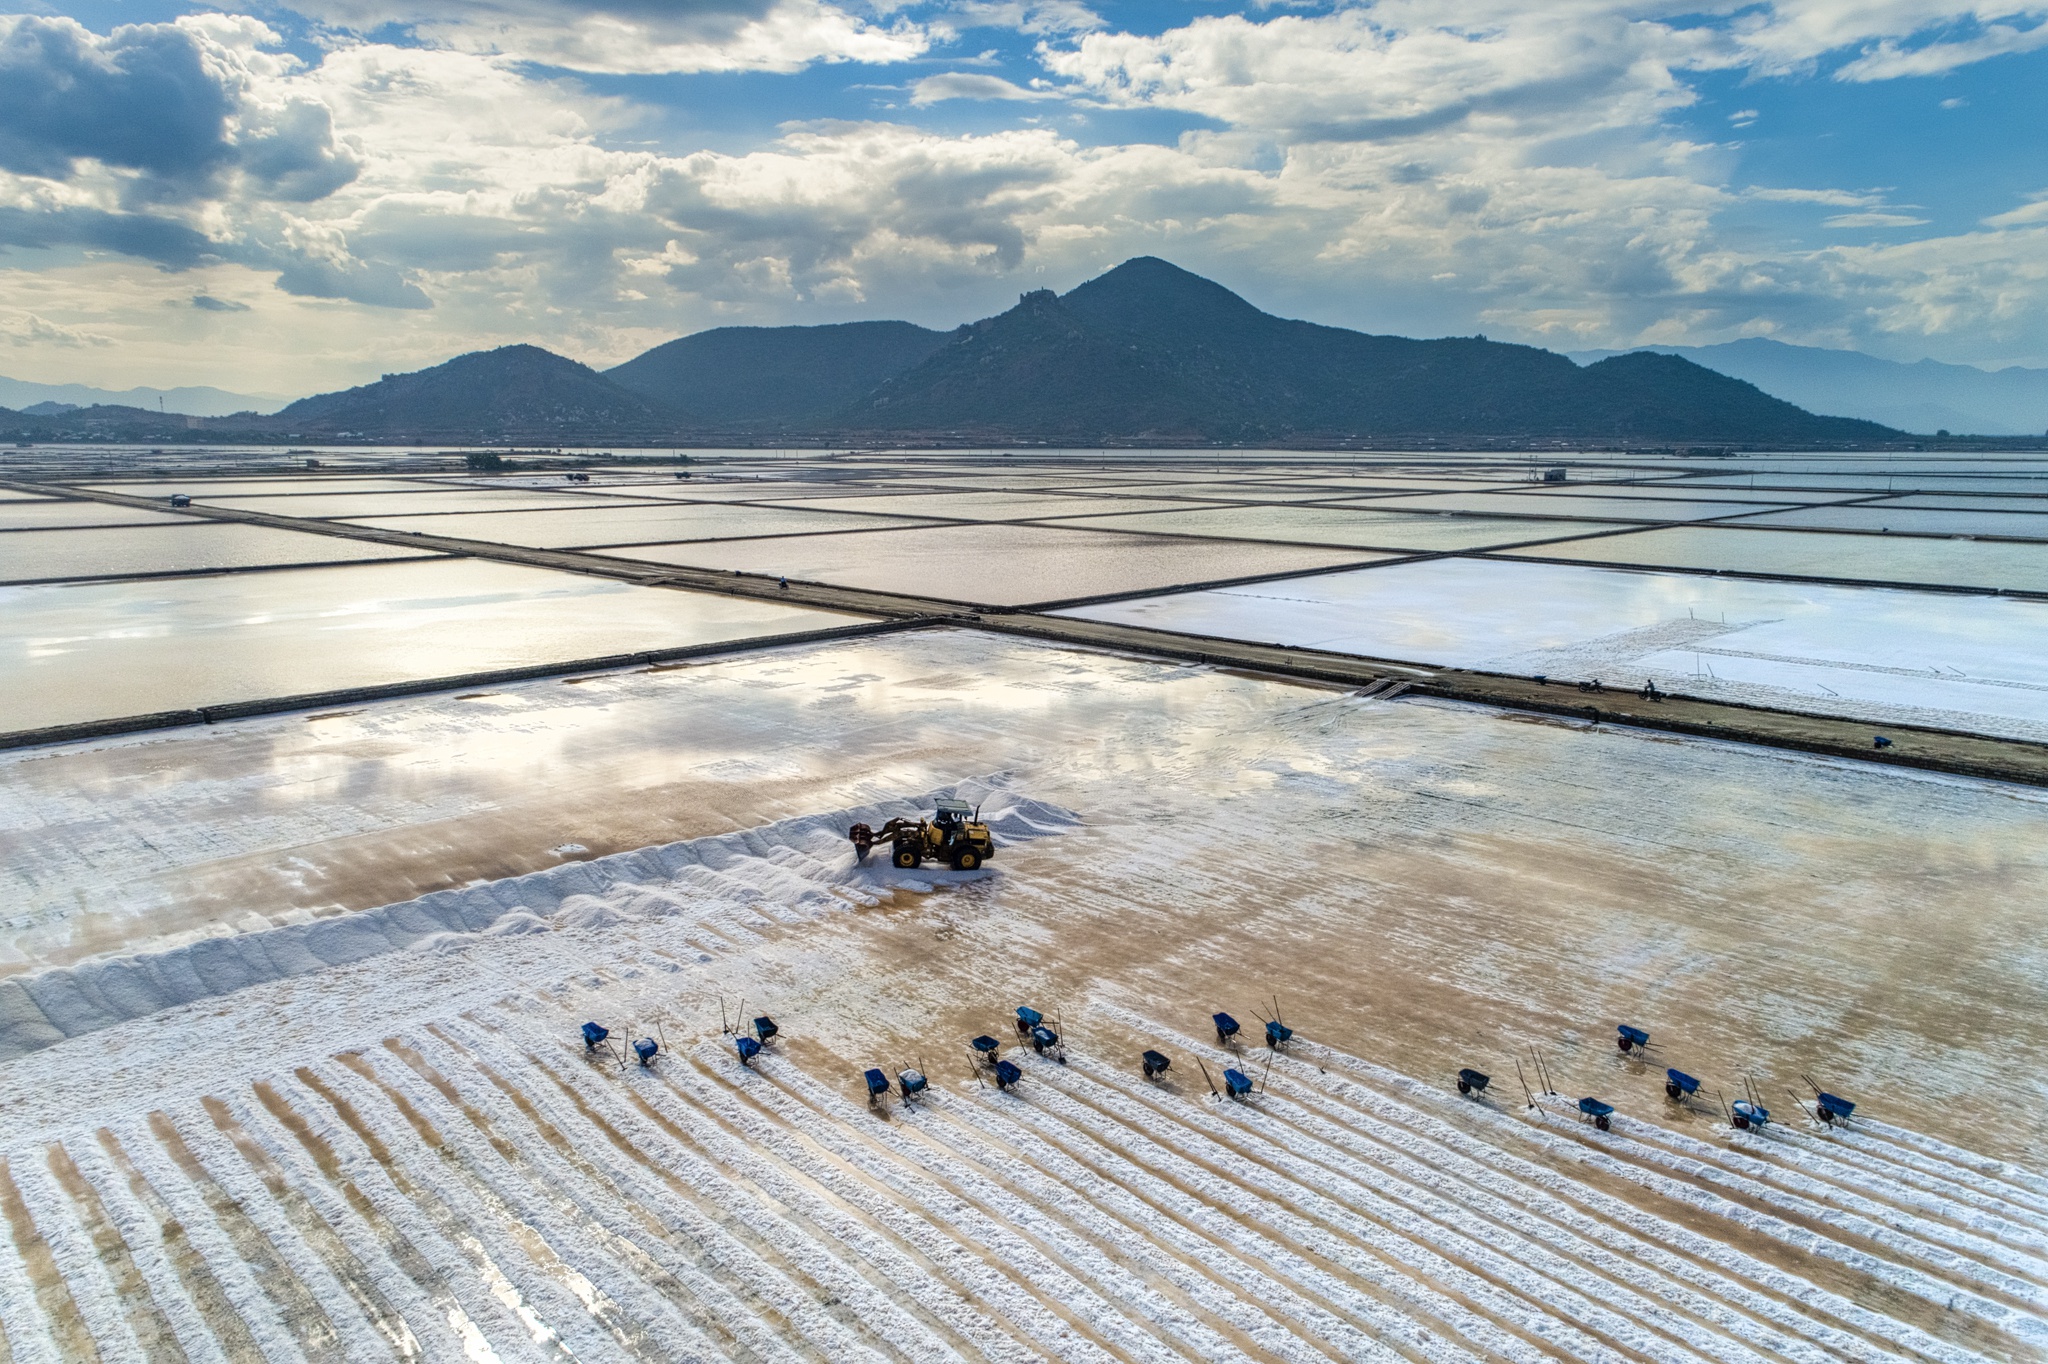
{"x":75,"y":652}
{"x":420,"y":1156}
{"x":1988,"y":565}
{"x":1961,"y":662}
{"x":1370,"y":527}
{"x":998,"y":564}
{"x":176,"y":548}
{"x":291,"y":1006}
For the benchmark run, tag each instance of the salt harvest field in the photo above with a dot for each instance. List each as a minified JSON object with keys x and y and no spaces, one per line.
{"x":290,"y":1005}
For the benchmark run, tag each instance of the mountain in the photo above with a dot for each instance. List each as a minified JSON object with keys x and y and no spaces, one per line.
{"x":1145,"y":352}
{"x":1150,"y":351}
{"x":1926,"y":396}
{"x":100,"y":422}
{"x":521,"y":392}
{"x":774,"y":377}
{"x":197,"y":402}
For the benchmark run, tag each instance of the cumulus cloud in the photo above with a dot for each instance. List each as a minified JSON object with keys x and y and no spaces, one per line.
{"x":27,"y":329}
{"x":207,"y":303}
{"x":1353,"y":76}
{"x":1516,"y":169}
{"x":641,"y":37}
{"x":168,"y":109}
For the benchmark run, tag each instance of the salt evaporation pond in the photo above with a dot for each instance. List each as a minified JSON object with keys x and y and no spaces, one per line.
{"x":1988,"y":565}
{"x":622,"y":522}
{"x":90,"y":651}
{"x":1380,"y":529}
{"x":377,"y":1126}
{"x":177,"y":547}
{"x":1965,"y":662}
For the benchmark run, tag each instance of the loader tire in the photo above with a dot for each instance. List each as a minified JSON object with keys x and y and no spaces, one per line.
{"x":907,"y":858}
{"x":966,"y":859}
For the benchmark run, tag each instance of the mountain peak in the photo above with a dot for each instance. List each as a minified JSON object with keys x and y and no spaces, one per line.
{"x":1148,"y":294}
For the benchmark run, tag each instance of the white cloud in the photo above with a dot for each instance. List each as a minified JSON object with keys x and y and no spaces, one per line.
{"x":2034,"y":211}
{"x":1369,"y":166}
{"x":27,"y":329}
{"x":641,"y":37}
{"x":1834,"y":198}
{"x":1351,"y":75}
{"x":1027,"y":16}
{"x":971,"y":85}
{"x":1890,"y":59}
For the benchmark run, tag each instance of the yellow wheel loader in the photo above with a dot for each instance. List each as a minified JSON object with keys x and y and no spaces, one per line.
{"x":954,"y":834}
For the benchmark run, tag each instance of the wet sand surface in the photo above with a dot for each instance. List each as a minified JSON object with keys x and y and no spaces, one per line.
{"x":1421,"y":885}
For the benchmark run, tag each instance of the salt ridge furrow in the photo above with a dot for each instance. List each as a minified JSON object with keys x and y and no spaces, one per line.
{"x":471,"y":1222}
{"x":1969,"y":1207}
{"x":958,"y":1129}
{"x":417,"y":1306}
{"x":1074,"y":1256}
{"x":92,"y":1290}
{"x":374,"y":1331}
{"x":458,"y":1283}
{"x":1234,"y":1242}
{"x":1426,"y":1251}
{"x":839,"y":1174}
{"x":1621,"y":1147}
{"x":1738,"y":1310}
{"x":789,"y":1199}
{"x":1757,"y":1173}
{"x":589,"y":1263}
{"x":766,"y":1282}
{"x":141,"y":1236}
{"x":29,"y":1334}
{"x":616,"y":1257}
{"x":1375,"y":1258}
{"x":184,"y":1202}
{"x":1711,"y":1251}
{"x":1532,"y":1242}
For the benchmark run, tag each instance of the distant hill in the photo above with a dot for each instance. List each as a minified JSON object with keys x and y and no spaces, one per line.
{"x":514,"y":391}
{"x":1925,"y":396}
{"x":100,"y":422}
{"x":1146,"y":352}
{"x":775,"y":377}
{"x":198,"y":401}
{"x":1151,"y":351}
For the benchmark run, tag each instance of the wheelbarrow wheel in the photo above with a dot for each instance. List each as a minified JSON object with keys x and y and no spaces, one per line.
{"x":1622,"y":1042}
{"x":1464,"y":1088}
{"x":1601,"y":1122}
{"x":1674,"y":1091}
{"x":1741,"y":1121}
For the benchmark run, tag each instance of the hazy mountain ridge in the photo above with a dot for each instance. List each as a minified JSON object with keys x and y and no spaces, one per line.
{"x":1146,"y":352}
{"x":1926,"y":395}
{"x":772,"y":377}
{"x":196,"y":401}
{"x":513,"y":391}
{"x":1150,"y":351}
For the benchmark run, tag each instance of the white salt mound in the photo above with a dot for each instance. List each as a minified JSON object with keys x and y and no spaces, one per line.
{"x":795,"y":863}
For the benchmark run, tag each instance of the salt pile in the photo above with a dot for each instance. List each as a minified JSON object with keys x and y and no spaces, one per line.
{"x":803,"y":866}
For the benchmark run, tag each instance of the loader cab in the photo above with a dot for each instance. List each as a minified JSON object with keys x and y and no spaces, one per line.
{"x":952,"y":816}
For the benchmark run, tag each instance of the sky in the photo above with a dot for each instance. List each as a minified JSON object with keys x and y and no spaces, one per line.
{"x":286,"y":198}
